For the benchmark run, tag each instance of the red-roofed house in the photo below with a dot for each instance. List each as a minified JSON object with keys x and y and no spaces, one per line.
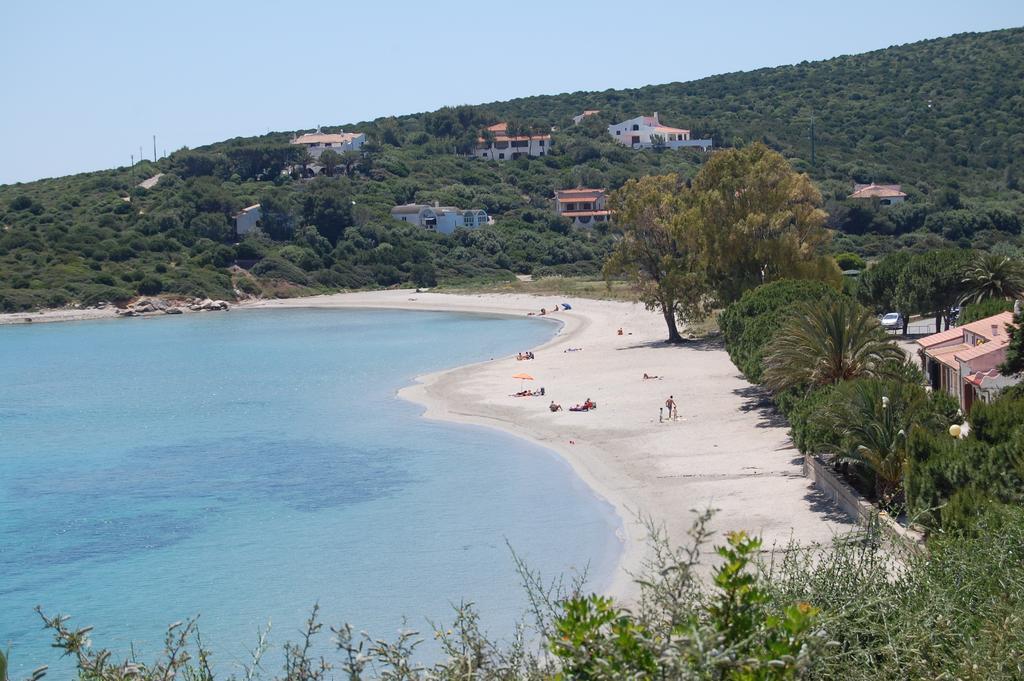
{"x":644,"y":132}
{"x":583,"y":206}
{"x":885,"y":194}
{"x":502,"y":146}
{"x":963,"y":361}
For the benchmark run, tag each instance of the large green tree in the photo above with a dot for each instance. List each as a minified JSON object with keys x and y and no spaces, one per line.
{"x":932,"y":283}
{"x":878,"y":286}
{"x":759,"y":221}
{"x":1014,"y":363}
{"x":658,"y":251}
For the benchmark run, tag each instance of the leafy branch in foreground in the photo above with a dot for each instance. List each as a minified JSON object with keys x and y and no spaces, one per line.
{"x":849,"y":611}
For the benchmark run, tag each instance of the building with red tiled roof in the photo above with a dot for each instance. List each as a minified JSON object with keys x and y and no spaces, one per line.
{"x":498,"y":145}
{"x":885,"y":194}
{"x":583,"y":206}
{"x":964,"y":361}
{"x":644,"y":132}
{"x":318,"y":142}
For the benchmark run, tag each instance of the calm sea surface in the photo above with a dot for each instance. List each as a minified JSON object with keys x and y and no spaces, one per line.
{"x":246,"y":465}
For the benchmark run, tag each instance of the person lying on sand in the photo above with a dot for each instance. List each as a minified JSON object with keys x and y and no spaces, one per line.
{"x":586,"y":406}
{"x":651,"y":378}
{"x":529,"y":393}
{"x":572,"y":350}
{"x":555,"y":407}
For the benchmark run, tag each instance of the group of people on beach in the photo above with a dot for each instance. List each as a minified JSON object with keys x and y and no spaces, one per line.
{"x":587,"y":405}
{"x":529,"y":393}
{"x":524,"y":355}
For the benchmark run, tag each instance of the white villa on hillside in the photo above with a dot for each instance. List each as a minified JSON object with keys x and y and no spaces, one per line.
{"x":504,"y":146}
{"x":443,"y":219}
{"x":318,"y":142}
{"x":246,"y":219}
{"x":583,"y":206}
{"x":887,"y":194}
{"x":644,"y":132}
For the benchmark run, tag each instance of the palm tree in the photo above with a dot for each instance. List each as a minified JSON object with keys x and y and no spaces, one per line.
{"x":330,"y":159}
{"x":875,"y":419}
{"x":821,"y":344}
{"x":993,"y":276}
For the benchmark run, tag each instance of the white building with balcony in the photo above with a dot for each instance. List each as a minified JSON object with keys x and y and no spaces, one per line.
{"x":585,"y":207}
{"x":644,"y":132}
{"x":498,"y":145}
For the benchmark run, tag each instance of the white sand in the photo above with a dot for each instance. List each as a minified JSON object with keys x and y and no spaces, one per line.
{"x":727,"y":451}
{"x":57,"y":315}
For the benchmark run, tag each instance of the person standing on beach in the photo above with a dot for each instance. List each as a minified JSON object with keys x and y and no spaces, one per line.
{"x":670,"y":406}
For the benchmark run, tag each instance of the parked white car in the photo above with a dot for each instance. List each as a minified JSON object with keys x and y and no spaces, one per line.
{"x":892,"y":321}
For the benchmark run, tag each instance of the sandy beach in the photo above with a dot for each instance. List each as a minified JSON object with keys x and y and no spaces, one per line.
{"x":727,"y":450}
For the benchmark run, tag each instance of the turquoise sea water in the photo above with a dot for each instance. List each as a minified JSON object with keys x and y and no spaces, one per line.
{"x":246,"y":465}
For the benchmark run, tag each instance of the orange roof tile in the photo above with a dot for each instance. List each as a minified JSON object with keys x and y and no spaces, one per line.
{"x":975,"y":351}
{"x":322,"y":137}
{"x":947,"y":356}
{"x":983,"y":327}
{"x":580,"y":194}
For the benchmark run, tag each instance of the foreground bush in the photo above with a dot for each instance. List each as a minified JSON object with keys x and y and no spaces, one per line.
{"x":850,"y":611}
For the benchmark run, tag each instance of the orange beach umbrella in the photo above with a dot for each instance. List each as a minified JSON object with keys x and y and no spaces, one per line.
{"x":524,"y":378}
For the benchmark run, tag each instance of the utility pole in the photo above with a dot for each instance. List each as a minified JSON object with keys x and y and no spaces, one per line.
{"x":812,"y":139}
{"x":140,"y":154}
{"x":154,"y":148}
{"x":133,"y":168}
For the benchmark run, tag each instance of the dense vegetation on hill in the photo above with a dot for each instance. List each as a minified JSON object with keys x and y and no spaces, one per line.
{"x":942,"y":117}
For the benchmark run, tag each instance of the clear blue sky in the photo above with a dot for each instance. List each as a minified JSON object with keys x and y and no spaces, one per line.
{"x":85,"y":84}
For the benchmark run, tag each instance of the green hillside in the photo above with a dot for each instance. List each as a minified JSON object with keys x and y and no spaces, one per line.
{"x":944,"y":118}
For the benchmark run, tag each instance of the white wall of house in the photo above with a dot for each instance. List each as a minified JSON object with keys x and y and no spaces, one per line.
{"x":245,"y":221}
{"x":444,"y":220}
{"x":637,"y":132}
{"x":503,"y":151}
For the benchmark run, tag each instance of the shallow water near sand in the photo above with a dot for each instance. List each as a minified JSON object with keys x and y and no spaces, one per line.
{"x":247,"y":465}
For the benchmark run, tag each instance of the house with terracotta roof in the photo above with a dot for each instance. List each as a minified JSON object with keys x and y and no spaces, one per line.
{"x":443,"y":219}
{"x":587,"y":113}
{"x":318,"y":142}
{"x":583,"y":206}
{"x":497,"y":145}
{"x":885,"y":194}
{"x":964,"y":361}
{"x":644,"y":132}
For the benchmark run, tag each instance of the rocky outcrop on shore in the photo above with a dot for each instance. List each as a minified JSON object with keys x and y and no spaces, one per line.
{"x":152,"y":306}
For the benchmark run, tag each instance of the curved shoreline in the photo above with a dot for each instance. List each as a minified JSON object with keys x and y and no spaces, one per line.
{"x":727,"y":451}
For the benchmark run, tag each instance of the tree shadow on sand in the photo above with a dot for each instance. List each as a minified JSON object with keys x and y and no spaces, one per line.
{"x":820,"y":503}
{"x":757,"y":399}
{"x":701,"y":344}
